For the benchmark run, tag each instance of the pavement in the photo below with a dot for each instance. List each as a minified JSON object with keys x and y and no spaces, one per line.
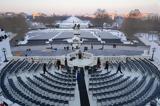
{"x":58,"y":50}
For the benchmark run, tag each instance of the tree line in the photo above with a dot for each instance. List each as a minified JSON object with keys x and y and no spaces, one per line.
{"x":16,"y":24}
{"x":50,"y":20}
{"x":131,"y":24}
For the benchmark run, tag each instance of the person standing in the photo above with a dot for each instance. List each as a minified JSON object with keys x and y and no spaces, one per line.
{"x":119,"y":68}
{"x":78,"y":26}
{"x":44,"y":68}
{"x":127,"y":59}
{"x":66,"y":63}
{"x":80,"y":55}
{"x":58,"y":64}
{"x":98,"y":62}
{"x":32,"y":60}
{"x":67,"y":48}
{"x":106,"y":65}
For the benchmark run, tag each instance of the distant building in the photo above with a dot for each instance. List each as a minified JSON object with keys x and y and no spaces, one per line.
{"x":71,"y":21}
{"x":118,"y":21}
{"x":23,"y":14}
{"x":135,"y":14}
{"x":36,"y":25}
{"x":152,"y":16}
{"x":138,"y":15}
{"x":34,"y":15}
{"x":4,"y":43}
{"x":10,"y":14}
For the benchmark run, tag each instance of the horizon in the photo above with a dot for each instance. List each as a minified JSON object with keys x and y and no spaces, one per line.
{"x":79,"y":7}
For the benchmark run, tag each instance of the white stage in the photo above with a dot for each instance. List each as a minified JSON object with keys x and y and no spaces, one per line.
{"x":86,"y":60}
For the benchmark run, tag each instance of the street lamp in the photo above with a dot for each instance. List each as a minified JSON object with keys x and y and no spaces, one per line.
{"x":91,"y":46}
{"x":4,"y":51}
{"x":26,"y":52}
{"x":51,"y":43}
{"x":102,"y":42}
{"x":153,"y":51}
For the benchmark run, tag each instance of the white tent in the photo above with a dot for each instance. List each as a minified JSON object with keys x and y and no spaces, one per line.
{"x":71,"y":21}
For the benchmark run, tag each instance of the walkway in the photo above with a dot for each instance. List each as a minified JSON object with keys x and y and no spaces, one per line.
{"x":82,"y":88}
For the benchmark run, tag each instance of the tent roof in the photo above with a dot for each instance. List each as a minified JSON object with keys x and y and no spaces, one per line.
{"x":73,"y":19}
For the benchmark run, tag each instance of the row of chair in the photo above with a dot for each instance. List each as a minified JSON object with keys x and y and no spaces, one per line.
{"x":50,"y":89}
{"x":112,"y":89}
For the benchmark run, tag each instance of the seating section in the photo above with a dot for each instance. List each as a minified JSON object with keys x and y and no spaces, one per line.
{"x":114,"y":89}
{"x":24,"y":83}
{"x":50,"y":89}
{"x":21,"y":66}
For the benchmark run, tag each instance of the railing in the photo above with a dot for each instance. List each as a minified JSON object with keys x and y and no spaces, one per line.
{"x":61,"y":57}
{"x":52,"y":59}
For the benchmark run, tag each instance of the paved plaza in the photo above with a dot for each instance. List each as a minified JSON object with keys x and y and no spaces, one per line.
{"x":60,"y":36}
{"x":38,"y":42}
{"x":58,"y":50}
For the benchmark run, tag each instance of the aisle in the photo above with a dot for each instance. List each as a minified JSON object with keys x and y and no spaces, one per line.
{"x":82,"y":89}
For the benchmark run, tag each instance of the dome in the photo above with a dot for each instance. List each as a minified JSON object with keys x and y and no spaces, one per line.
{"x":72,"y":19}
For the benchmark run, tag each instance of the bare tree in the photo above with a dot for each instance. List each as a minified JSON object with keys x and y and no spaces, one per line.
{"x":101,"y":17}
{"x":132,"y":25}
{"x":16,"y":24}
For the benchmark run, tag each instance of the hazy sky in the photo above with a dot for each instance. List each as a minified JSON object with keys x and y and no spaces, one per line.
{"x":78,"y":6}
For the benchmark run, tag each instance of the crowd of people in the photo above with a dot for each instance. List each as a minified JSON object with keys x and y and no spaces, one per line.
{"x":107,"y":65}
{"x":59,"y":65}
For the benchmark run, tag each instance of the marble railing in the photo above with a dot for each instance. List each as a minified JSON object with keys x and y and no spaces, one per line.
{"x":62,"y":58}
